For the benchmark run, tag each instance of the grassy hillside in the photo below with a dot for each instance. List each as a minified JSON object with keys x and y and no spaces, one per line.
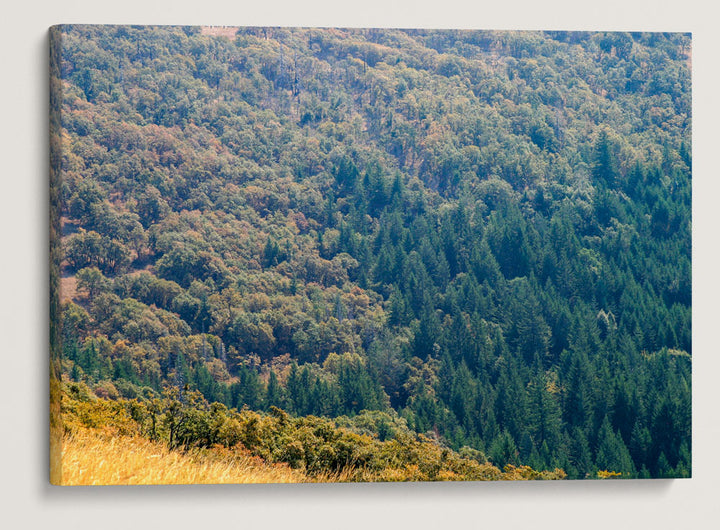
{"x":94,"y":457}
{"x":128,"y":442}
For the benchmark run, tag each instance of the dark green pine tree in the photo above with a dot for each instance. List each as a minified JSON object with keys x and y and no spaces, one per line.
{"x":463,"y":396}
{"x":398,"y":310}
{"x":665,"y":440}
{"x":624,"y":413}
{"x":529,"y":332}
{"x":684,"y":466}
{"x":544,"y":417}
{"x":89,"y":360}
{"x":274,"y":395}
{"x":511,"y":401}
{"x":639,"y":447}
{"x":580,"y":456}
{"x":346,"y":175}
{"x":612,"y":454}
{"x":252,"y":388}
{"x":426,"y":333}
{"x":635,"y":181}
{"x":604,"y":170}
{"x":577,"y":404}
{"x":359,"y":391}
{"x":271,"y":253}
{"x":296,"y":392}
{"x":504,"y":451}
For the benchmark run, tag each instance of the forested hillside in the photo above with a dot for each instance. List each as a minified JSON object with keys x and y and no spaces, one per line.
{"x":485,"y":237}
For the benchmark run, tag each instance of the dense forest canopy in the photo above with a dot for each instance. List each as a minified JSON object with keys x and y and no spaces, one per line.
{"x":483,"y":236}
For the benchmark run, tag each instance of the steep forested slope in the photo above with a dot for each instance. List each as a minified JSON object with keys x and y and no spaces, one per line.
{"x":484,"y":235}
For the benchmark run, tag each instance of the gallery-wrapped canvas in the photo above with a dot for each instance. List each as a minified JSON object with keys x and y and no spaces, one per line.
{"x":341,"y":255}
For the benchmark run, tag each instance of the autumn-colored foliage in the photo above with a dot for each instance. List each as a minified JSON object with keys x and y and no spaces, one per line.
{"x":384,"y":254}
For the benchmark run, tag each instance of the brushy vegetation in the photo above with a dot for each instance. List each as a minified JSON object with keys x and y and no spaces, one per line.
{"x":181,"y":439}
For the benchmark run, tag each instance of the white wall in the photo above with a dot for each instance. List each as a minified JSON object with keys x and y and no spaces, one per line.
{"x":28,"y":501}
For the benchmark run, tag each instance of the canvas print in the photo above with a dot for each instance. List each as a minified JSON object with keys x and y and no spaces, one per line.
{"x":364,"y":255}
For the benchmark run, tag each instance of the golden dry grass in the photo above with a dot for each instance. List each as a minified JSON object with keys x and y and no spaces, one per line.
{"x":91,"y":457}
{"x":215,"y":31}
{"x":68,"y":289}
